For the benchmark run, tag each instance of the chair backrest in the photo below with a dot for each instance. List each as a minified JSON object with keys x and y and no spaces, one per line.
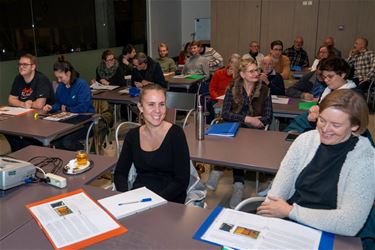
{"x":250,"y":204}
{"x":129,"y":125}
{"x":181,"y":101}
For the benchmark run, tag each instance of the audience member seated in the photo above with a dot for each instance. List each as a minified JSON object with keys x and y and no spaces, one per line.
{"x":297,"y":55}
{"x":72,"y":95}
{"x":147,"y":71}
{"x":324,"y":52}
{"x":196,"y":64}
{"x":30,"y":89}
{"x":270,"y":77}
{"x":222,"y":77}
{"x":158,"y":150}
{"x":184,"y":54}
{"x":254,"y":53}
{"x":334,"y":73}
{"x":215,"y":60}
{"x":126,"y":58}
{"x":326,"y":179}
{"x":219,"y":83}
{"x":363,"y":63}
{"x":281,"y":63}
{"x":249,"y":102}
{"x":167,"y":64}
{"x":310,"y":87}
{"x":330,"y":44}
{"x":108,"y":72}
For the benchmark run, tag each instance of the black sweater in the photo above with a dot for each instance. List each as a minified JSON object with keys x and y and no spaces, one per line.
{"x":165,"y":171}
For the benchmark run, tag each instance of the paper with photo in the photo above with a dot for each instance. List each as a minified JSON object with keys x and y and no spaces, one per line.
{"x":73,"y":219}
{"x":242,"y":230}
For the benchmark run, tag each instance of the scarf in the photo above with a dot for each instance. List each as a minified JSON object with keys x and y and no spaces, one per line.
{"x":107,"y":73}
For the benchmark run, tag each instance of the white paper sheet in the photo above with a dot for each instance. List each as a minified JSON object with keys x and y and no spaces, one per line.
{"x":72,"y":219}
{"x":242,"y":230}
{"x":280,"y":100}
{"x":112,"y":203}
{"x":100,"y":86}
{"x":13,"y":110}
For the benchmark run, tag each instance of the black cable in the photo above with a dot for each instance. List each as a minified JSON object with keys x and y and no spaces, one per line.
{"x":56,"y":162}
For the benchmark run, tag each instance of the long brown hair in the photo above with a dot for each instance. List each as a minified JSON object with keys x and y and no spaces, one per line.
{"x":236,"y":85}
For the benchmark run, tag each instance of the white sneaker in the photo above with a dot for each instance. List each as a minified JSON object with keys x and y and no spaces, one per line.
{"x":213,"y":180}
{"x":238,"y":190}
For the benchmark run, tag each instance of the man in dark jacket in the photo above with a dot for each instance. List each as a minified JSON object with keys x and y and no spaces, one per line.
{"x":146,"y":71}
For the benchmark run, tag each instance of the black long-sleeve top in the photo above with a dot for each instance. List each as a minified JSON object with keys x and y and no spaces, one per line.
{"x":165,"y":171}
{"x":152,"y":73}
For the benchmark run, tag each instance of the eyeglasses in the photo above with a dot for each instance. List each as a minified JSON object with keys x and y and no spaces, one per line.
{"x":329,"y":77}
{"x":110,"y":60}
{"x":24,"y":65}
{"x":278,"y":49}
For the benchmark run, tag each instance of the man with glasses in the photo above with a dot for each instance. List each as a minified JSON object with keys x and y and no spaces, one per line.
{"x":30,"y":89}
{"x":146,"y":71}
{"x":281,"y":63}
{"x":297,"y":55}
{"x":254,"y":52}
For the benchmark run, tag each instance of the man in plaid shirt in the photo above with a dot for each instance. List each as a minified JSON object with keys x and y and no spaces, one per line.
{"x":363,"y":62}
{"x":297,"y":55}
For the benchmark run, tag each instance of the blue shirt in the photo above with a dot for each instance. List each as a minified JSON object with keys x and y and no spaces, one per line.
{"x":76,"y":98}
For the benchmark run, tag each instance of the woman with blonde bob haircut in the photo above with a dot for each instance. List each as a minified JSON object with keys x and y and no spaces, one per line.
{"x":327,"y":178}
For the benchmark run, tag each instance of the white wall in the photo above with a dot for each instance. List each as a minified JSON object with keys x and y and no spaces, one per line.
{"x":172,"y":22}
{"x":191,"y":9}
{"x":163,"y":25}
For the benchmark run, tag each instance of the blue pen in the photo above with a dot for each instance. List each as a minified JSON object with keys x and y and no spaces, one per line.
{"x":131,"y":202}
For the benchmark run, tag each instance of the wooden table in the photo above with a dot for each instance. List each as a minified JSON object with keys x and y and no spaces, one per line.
{"x":250,"y":149}
{"x":39,"y":129}
{"x":13,"y":213}
{"x":170,"y":226}
{"x":174,"y":82}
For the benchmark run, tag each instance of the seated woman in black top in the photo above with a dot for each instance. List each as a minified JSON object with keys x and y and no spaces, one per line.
{"x":158,"y":150}
{"x":108,"y":72}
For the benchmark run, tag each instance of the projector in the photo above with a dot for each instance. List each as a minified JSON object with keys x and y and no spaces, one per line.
{"x":14,"y":172}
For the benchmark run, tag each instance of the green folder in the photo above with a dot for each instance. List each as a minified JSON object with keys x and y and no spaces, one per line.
{"x":194,"y":77}
{"x":306,"y":105}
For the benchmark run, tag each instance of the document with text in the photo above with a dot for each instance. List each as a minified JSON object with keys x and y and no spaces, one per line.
{"x":240,"y":230}
{"x":74,"y":220}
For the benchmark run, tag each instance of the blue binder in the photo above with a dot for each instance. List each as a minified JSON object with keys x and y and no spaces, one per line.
{"x":228,"y":129}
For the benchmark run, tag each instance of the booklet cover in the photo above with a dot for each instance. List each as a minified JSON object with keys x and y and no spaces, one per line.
{"x":131,"y":202}
{"x":74,"y":220}
{"x":241,"y":230}
{"x":228,"y":129}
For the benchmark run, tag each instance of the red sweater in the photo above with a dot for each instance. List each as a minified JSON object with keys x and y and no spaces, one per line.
{"x":219,"y":83}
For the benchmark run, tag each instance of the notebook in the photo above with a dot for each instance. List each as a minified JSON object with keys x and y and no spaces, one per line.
{"x":131,"y":202}
{"x":228,"y":129}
